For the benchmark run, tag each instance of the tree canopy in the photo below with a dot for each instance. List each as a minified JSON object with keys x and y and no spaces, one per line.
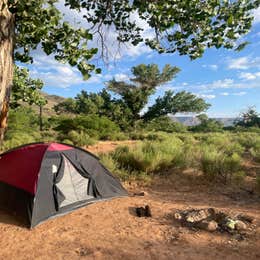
{"x":146,"y":79}
{"x":188,"y":27}
{"x":127,"y":106}
{"x":26,"y":89}
{"x":249,"y":118}
{"x":172,"y":103}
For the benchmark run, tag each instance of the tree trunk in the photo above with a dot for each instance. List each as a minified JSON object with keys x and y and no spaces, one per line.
{"x":6,"y":62}
{"x":40,"y":118}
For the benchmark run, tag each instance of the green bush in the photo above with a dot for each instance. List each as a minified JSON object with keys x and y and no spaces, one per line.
{"x":255,"y":153}
{"x":137,"y":135}
{"x":95,"y":126}
{"x":19,"y":138}
{"x":165,"y":124}
{"x":79,"y":138}
{"x":150,"y":156}
{"x":248,"y":140}
{"x":218,"y":166}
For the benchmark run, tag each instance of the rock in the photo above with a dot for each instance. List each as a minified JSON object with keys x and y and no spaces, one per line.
{"x":212,"y":226}
{"x":240,"y":225}
{"x":208,"y":225}
{"x":178,"y":216}
{"x":230,"y":224}
{"x":245,"y":218}
{"x":198,"y":215}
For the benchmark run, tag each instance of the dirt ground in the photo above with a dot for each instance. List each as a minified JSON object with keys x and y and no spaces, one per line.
{"x":107,"y":146}
{"x":111,"y":230}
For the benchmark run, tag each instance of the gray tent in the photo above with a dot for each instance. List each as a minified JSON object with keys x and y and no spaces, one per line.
{"x":43,"y":180}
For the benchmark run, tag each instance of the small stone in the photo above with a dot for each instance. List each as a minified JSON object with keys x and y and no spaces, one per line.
{"x":198,"y":215}
{"x":208,"y":225}
{"x":240,"y":225}
{"x":245,"y":218}
{"x":231,"y":224}
{"x":212,"y":226}
{"x":178,"y":216}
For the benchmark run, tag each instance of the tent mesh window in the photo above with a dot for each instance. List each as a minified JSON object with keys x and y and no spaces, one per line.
{"x":73,"y":185}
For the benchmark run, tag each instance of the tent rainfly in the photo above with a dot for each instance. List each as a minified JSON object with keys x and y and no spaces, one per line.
{"x":44,"y":180}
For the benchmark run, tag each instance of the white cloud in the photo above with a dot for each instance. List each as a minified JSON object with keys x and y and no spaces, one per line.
{"x":213,"y":67}
{"x":55,"y":74}
{"x":242,"y":93}
{"x":225,"y":83}
{"x":210,"y":96}
{"x":121,"y":77}
{"x":224,"y":94}
{"x":208,"y":88}
{"x":256,"y":14}
{"x":249,"y":75}
{"x":244,"y":63}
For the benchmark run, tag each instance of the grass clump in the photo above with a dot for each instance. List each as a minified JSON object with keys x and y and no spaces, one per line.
{"x":150,"y":156}
{"x":217,"y":165}
{"x":80,"y":138}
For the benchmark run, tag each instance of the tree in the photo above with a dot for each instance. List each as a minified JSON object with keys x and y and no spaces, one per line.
{"x":100,"y":104}
{"x":66,"y":106}
{"x":188,"y":27}
{"x":207,"y":124}
{"x":146,"y":79}
{"x":250,"y":118}
{"x":172,"y":103}
{"x":26,"y":89}
{"x":89,"y":103}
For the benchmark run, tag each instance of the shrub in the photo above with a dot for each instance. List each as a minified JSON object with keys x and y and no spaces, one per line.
{"x":137,"y":135}
{"x":79,"y":138}
{"x":165,"y":124}
{"x":19,"y":138}
{"x":93,"y":125}
{"x":150,"y":156}
{"x":48,"y":136}
{"x":217,"y":165}
{"x":224,"y":143}
{"x":238,"y":177}
{"x":255,"y":153}
{"x":248,"y":140}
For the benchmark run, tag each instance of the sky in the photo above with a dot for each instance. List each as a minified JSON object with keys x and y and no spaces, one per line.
{"x":228,"y":80}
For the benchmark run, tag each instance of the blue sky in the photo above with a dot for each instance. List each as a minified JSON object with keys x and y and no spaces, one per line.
{"x":228,"y":80}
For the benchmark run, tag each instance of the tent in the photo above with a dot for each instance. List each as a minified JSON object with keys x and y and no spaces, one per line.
{"x":43,"y":180}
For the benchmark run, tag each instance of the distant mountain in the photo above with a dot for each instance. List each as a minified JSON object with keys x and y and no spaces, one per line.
{"x":192,"y":121}
{"x":48,"y":108}
{"x":52,"y":101}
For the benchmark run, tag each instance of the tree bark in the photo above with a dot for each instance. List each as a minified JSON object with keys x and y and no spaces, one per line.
{"x":7,"y":35}
{"x":40,"y":118}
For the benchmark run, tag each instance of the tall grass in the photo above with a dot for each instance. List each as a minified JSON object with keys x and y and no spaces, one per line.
{"x":218,"y":157}
{"x":215,"y":164}
{"x":150,"y":156}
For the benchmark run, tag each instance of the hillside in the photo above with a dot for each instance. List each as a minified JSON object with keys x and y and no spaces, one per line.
{"x":52,"y":101}
{"x":192,"y":121}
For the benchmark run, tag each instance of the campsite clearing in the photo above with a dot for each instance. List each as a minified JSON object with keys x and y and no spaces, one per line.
{"x":111,"y":230}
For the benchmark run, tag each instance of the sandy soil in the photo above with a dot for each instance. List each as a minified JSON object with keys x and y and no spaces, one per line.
{"x":111,"y":230}
{"x":107,"y":146}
